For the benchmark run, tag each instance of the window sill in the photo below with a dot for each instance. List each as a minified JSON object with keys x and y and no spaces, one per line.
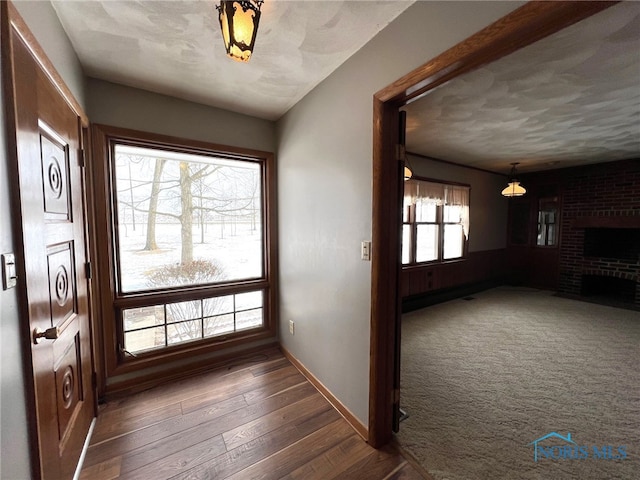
{"x":163,"y":356}
{"x":417,"y":266}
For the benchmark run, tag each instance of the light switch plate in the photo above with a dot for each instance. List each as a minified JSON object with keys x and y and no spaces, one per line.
{"x":365,"y":251}
{"x":9,"y":279}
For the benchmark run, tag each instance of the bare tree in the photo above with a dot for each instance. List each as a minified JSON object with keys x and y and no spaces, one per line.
{"x":186,"y":215}
{"x":153,"y":206}
{"x":229,"y":195}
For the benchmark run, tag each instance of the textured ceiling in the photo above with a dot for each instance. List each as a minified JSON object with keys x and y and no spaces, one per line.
{"x":571,"y":98}
{"x":175,"y":48}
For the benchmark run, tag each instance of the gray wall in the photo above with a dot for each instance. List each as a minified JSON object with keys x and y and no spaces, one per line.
{"x":488,"y":208}
{"x":128,"y":107}
{"x":324,"y":168}
{"x":14,"y":451}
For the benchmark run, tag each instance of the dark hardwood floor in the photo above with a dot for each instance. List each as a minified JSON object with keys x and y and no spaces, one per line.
{"x":254,"y":418}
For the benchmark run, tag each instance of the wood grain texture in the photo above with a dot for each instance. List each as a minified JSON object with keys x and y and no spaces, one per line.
{"x":259,"y":420}
{"x":385,"y":261}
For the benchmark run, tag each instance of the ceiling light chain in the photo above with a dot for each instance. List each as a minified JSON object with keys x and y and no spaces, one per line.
{"x":514,"y":189}
{"x":239,"y":21}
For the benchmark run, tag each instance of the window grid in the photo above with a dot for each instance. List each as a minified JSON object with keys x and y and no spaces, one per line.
{"x":410,"y":220}
{"x":201,"y":318}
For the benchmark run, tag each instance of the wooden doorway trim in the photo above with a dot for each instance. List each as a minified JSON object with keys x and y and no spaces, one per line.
{"x":524,"y":26}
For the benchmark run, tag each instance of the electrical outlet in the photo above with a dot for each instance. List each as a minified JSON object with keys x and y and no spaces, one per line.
{"x":291,"y":327}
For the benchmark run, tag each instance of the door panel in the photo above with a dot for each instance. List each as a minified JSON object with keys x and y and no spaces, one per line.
{"x":55,"y":167}
{"x":53,"y":246}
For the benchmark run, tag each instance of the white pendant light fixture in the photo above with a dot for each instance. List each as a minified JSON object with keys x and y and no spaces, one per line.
{"x":239,"y":22}
{"x":514,"y":189}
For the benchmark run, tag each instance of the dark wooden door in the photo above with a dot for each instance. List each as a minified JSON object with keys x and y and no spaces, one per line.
{"x":52,"y":225}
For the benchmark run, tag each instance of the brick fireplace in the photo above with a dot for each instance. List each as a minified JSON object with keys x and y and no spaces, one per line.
{"x":600,"y":239}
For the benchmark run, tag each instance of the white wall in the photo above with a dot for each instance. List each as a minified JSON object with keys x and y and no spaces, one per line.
{"x":488,"y":208}
{"x":324,"y":168}
{"x":14,"y":450}
{"x":121,"y":106}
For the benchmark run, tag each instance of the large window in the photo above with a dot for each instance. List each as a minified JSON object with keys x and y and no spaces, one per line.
{"x":435,"y":221}
{"x":185,"y":219}
{"x":191,"y":242}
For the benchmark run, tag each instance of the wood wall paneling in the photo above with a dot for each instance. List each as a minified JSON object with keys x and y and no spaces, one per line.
{"x":478,"y":267}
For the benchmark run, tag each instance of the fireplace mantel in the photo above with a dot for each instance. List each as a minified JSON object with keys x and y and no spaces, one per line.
{"x":618,"y":221}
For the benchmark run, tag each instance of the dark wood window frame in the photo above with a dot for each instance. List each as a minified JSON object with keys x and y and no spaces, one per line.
{"x":440,"y":223}
{"x":117,"y":361}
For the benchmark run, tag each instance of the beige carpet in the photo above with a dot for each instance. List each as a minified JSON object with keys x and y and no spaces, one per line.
{"x":483,"y":378}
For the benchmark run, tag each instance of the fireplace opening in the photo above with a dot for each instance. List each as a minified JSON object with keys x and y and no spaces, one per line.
{"x":619,"y":243}
{"x":608,"y":289}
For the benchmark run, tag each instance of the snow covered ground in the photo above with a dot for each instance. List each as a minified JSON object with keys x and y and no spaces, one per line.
{"x":236,"y":248}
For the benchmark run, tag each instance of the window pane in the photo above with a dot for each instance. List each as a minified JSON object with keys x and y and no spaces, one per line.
{"x":183,"y":311}
{"x":406,"y":243}
{"x":426,"y":211}
{"x":218,"y":325}
{"x":452,"y":213}
{"x":217,"y":305}
{"x":144,"y":339}
{"x":184,"y":331}
{"x":249,"y":319}
{"x":186,"y":219}
{"x":452,"y":241}
{"x":551,"y":239}
{"x":547,"y":212}
{"x":245,"y":301}
{"x":427,"y":243}
{"x":135,"y":318}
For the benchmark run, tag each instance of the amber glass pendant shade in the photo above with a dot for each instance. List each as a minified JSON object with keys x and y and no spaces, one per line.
{"x":239,"y":22}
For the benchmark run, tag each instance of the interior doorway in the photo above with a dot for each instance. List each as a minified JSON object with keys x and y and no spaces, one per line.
{"x":524,"y":26}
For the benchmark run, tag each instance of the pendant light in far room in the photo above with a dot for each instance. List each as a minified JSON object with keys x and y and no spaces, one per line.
{"x":239,"y":21}
{"x":408,"y":169}
{"x":514,"y":189}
